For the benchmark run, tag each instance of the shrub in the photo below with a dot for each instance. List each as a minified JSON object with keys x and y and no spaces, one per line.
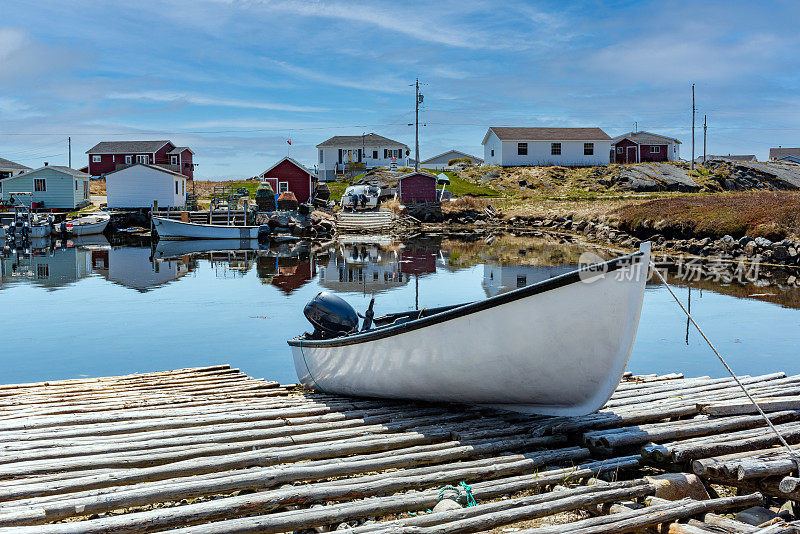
{"x":456,"y":161}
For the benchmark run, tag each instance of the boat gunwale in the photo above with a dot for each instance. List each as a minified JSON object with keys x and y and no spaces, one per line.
{"x":471,"y":307}
{"x":204,"y":225}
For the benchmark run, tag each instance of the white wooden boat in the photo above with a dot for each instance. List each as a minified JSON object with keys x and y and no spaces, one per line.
{"x":558,"y":347}
{"x":171,"y":229}
{"x":88,"y":224}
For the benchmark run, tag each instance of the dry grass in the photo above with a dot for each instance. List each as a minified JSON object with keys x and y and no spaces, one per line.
{"x":97,"y":187}
{"x":464,"y":204}
{"x":757,"y":213}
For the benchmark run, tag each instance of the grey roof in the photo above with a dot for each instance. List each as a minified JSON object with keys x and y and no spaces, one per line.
{"x":8,"y":164}
{"x":730,"y":157}
{"x":791,"y":158}
{"x":179,"y":149}
{"x":357,"y":141}
{"x":454,"y":151}
{"x":155,"y":167}
{"x":514,"y":133}
{"x":59,"y":168}
{"x":777,"y":153}
{"x":126,"y":147}
{"x":414,"y":173}
{"x":645,"y":138}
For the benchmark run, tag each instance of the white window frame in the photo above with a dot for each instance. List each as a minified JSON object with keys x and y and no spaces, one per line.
{"x":173,"y":160}
{"x":620,"y":150}
{"x":374,"y":154}
{"x":43,"y":182}
{"x":589,"y":147}
{"x":321,"y":156}
{"x":555,"y":149}
{"x":522,"y":149}
{"x":143,"y":158}
{"x":96,"y":159}
{"x":283,"y":187}
{"x":128,"y":160}
{"x":655,"y":149}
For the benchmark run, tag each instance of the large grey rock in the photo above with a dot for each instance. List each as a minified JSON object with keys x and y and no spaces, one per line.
{"x":656,"y":177}
{"x":445,"y":505}
{"x":763,"y":242}
{"x":756,"y":515}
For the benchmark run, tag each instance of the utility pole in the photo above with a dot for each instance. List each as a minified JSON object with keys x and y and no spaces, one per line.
{"x":691,"y":166}
{"x":69,"y":149}
{"x":417,"y":101}
{"x":705,"y":128}
{"x":635,"y":126}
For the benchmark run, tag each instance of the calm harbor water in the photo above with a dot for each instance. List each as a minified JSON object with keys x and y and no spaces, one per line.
{"x":89,"y":309}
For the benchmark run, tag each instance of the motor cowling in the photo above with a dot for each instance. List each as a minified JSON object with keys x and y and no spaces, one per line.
{"x":331,"y":315}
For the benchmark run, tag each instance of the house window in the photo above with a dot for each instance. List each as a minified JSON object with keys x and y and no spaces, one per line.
{"x":655,"y":149}
{"x":183,"y":188}
{"x":39,"y":184}
{"x":588,"y":149}
{"x":374,"y":154}
{"x":555,"y":149}
{"x":620,"y":150}
{"x":142,"y":158}
{"x":176,"y":187}
{"x":173,"y":160}
{"x":522,"y":280}
{"x":128,"y":160}
{"x":321,"y":158}
{"x":522,"y":149}
{"x":42,"y":271}
{"x":95,"y":159}
{"x":283,"y":187}
{"x":76,"y":185}
{"x":492,"y":152}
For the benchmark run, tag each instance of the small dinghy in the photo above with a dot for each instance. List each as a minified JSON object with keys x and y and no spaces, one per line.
{"x":95,"y":223}
{"x":558,"y":347}
{"x":171,"y":229}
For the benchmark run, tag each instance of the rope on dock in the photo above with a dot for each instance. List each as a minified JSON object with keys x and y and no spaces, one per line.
{"x":792,"y":453}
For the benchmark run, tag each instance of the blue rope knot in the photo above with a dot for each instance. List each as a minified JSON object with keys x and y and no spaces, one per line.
{"x":468,"y":493}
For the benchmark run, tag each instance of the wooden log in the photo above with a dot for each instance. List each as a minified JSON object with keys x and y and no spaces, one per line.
{"x":789,"y":484}
{"x":655,"y":515}
{"x":728,"y":525}
{"x":745,"y":407}
{"x":350,"y":488}
{"x":760,"y":468}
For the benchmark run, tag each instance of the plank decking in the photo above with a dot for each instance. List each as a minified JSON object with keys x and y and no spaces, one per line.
{"x":212,"y":450}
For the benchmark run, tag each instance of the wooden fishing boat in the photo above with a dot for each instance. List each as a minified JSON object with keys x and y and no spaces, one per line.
{"x":92,"y":224}
{"x":557,"y":347}
{"x":171,"y":229}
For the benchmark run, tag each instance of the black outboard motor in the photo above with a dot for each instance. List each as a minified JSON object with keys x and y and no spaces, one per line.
{"x":331,"y":316}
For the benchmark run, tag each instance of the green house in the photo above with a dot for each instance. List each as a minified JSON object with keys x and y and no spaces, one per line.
{"x":53,"y":187}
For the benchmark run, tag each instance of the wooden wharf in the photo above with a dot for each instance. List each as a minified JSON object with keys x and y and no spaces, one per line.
{"x":212,"y":450}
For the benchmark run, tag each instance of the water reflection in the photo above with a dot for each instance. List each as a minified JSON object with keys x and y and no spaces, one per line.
{"x":258,"y":291}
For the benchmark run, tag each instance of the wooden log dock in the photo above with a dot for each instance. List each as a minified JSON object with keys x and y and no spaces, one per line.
{"x":212,"y":450}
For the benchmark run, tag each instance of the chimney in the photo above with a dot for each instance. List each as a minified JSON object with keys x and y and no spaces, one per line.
{"x":45,"y":164}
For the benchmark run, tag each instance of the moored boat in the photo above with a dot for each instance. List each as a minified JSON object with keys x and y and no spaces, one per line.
{"x":94,"y":223}
{"x":171,"y":229}
{"x":557,"y":347}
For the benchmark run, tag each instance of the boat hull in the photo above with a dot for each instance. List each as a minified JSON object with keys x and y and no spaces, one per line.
{"x":170,"y":229}
{"x":558,"y":351}
{"x":88,"y":228}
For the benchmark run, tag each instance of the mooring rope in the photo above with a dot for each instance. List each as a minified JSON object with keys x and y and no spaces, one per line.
{"x":792,"y":452}
{"x":303,"y":354}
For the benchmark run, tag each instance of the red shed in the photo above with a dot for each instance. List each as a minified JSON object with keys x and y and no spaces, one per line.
{"x":417,"y":187}
{"x":289,"y":175}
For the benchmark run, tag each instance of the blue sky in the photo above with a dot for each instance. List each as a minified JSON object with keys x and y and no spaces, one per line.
{"x":234,"y":79}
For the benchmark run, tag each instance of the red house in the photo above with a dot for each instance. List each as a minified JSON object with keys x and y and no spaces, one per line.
{"x":289,"y":175}
{"x":636,"y":147}
{"x":417,"y":187}
{"x":109,"y":156}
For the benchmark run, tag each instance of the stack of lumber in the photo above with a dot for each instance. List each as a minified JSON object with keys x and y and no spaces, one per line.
{"x":212,"y":450}
{"x":364,"y":221}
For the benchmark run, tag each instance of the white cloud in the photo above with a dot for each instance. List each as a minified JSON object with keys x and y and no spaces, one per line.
{"x":383,"y":84}
{"x":203,"y":100}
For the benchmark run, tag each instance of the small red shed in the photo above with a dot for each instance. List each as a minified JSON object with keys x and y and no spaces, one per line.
{"x":417,"y":187}
{"x":289,"y":175}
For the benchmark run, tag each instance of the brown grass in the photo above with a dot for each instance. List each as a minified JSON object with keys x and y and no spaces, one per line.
{"x":464,"y":204}
{"x":774,"y":215}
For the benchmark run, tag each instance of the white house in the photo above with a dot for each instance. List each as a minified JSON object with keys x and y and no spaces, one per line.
{"x":440,"y":162}
{"x":521,"y":146}
{"x":52,"y":186}
{"x":372,"y":150}
{"x":138,"y":185}
{"x":9,"y":168}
